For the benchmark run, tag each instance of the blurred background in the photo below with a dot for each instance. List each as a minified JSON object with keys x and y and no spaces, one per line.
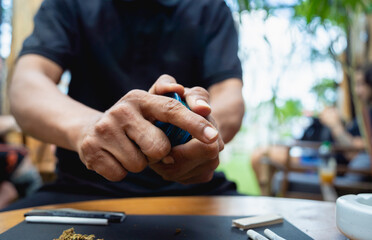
{"x":298,"y":57}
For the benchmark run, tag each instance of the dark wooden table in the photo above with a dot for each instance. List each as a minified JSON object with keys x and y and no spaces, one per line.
{"x":315,"y":218}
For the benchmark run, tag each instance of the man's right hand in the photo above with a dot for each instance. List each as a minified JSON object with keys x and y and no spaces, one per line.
{"x":124,"y":138}
{"x":112,"y":143}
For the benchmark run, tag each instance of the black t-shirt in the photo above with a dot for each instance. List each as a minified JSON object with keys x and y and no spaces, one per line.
{"x":353,"y":127}
{"x":113,"y":46}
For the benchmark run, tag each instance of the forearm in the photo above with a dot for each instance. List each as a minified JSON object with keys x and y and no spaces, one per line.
{"x":227,"y":105}
{"x":344,"y":138}
{"x":43,"y":112}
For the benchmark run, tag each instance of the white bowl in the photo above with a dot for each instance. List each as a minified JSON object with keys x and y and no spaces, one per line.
{"x":354,"y":216}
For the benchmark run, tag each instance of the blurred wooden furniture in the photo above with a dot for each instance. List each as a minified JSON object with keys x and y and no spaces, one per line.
{"x":41,"y":154}
{"x":289,"y":167}
{"x":315,"y":218}
{"x":23,"y":12}
{"x":43,"y":158}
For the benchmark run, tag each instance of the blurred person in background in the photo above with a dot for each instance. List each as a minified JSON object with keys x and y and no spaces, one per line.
{"x":330,"y":127}
{"x":18,"y":177}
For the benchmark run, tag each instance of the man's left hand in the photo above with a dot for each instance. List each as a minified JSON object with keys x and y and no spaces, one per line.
{"x":194,"y":161}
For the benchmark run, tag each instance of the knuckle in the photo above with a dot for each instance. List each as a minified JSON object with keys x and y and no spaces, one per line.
{"x":180,"y":156}
{"x":134,"y":95}
{"x":88,"y":165}
{"x":194,"y":118}
{"x":170,"y":175}
{"x":107,"y":134}
{"x":122,"y":111}
{"x":172,"y":106}
{"x":212,"y":150}
{"x":116,"y":177}
{"x":137,"y":166}
{"x":101,"y":128}
{"x":162,"y":149}
{"x":157,"y":149}
{"x":200,"y":91}
{"x":88,"y":149}
{"x":166,"y":76}
{"x":206,"y":178}
{"x":93,"y":159}
{"x":214,"y":164}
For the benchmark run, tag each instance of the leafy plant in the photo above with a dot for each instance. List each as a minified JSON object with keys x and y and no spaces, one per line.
{"x":283,"y":111}
{"x":338,"y":12}
{"x":325,"y":91}
{"x":287,"y":110}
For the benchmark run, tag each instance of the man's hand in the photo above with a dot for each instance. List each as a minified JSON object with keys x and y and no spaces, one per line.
{"x":195,"y":161}
{"x":124,"y":138}
{"x":330,"y":117}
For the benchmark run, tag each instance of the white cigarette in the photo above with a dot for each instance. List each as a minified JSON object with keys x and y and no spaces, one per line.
{"x":255,"y":235}
{"x":67,"y":220}
{"x":272,"y":236}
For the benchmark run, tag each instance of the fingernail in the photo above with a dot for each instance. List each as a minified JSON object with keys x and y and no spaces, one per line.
{"x":168,"y":160}
{"x":202,"y":103}
{"x":210,"y":133}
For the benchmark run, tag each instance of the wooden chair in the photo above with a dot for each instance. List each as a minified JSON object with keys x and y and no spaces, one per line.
{"x":41,"y":154}
{"x":284,"y":173}
{"x":42,"y":157}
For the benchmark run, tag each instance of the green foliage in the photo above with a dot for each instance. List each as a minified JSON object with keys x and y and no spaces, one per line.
{"x":244,"y":5}
{"x":338,"y":12}
{"x":284,"y":110}
{"x":316,"y":13}
{"x":289,"y":109}
{"x":325,"y":91}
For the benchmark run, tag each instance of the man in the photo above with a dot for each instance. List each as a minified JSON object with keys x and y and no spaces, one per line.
{"x":116,"y":49}
{"x":345,"y":135}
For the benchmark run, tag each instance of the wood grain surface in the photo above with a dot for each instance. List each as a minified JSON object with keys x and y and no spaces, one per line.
{"x":315,"y":218}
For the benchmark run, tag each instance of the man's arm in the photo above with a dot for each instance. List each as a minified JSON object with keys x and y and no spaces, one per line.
{"x":121,"y":139}
{"x":227,"y":105}
{"x":41,"y":109}
{"x":332,"y":119}
{"x":343,"y":137}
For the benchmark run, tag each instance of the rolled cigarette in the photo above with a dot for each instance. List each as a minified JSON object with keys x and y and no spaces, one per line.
{"x":255,"y":235}
{"x":66,"y":220}
{"x":272,"y":236}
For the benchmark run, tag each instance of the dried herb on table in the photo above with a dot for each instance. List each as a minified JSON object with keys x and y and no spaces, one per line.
{"x":70,"y":234}
{"x":178,"y":231}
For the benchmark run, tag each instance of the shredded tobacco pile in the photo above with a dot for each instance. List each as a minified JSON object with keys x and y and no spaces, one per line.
{"x":70,"y":234}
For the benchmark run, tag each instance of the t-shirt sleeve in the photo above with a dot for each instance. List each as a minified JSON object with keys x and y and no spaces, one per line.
{"x":54,"y":35}
{"x":221,"y":51}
